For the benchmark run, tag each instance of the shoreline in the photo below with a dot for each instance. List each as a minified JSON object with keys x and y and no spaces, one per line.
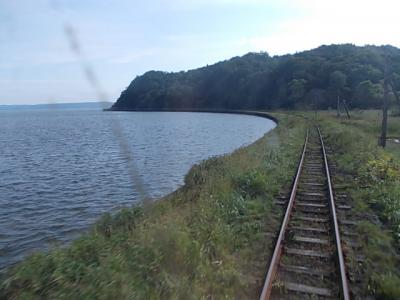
{"x":255,"y":113}
{"x":48,"y":248}
{"x":172,"y":212}
{"x":214,"y":236}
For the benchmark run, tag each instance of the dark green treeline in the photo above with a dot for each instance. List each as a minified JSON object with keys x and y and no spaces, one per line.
{"x":310,"y":79}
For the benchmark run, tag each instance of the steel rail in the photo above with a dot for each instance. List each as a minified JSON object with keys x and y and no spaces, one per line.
{"x":266,"y":292}
{"x":344,"y":289}
{"x":344,"y":283}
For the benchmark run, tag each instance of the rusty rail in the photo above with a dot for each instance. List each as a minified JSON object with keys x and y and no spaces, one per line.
{"x":275,"y":261}
{"x":342,"y":267}
{"x":266,"y":292}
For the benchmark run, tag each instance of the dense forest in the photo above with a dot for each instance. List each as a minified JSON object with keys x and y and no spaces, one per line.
{"x":310,"y":79}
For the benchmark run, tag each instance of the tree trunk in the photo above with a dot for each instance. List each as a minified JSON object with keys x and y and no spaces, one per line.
{"x":385,"y":106}
{"x":338,"y":105}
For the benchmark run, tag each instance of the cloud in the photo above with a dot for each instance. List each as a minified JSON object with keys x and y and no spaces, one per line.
{"x":327,"y":22}
{"x":124,"y":38}
{"x":185,"y":5}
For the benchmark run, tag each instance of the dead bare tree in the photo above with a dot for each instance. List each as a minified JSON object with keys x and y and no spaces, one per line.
{"x":337,"y":81}
{"x":385,"y":105}
{"x":346,"y":108}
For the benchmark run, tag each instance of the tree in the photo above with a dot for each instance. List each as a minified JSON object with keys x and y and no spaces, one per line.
{"x":317,"y":97}
{"x":337,"y":81}
{"x":368,"y":94}
{"x":259,"y":81}
{"x":296,"y":89}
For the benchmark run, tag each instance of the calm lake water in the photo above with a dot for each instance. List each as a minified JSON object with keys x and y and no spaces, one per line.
{"x":60,"y":170}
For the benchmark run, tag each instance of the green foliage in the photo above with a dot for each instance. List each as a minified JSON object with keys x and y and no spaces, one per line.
{"x":387,"y":286}
{"x":125,"y":220}
{"x":251,"y":184}
{"x":337,"y":80}
{"x":386,"y":200}
{"x":383,"y":169}
{"x":368,"y":94}
{"x":373,"y":176}
{"x":201,"y":242}
{"x":258,"y":81}
{"x":381,"y":261}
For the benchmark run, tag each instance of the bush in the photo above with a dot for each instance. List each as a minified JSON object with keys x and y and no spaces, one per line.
{"x":251,"y":184}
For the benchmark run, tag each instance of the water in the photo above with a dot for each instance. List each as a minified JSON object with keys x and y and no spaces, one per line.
{"x":60,"y":170}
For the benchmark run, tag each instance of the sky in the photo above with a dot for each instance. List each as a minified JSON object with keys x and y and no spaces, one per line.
{"x":54,"y":51}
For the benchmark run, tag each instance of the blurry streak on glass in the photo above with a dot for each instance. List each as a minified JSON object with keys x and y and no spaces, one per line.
{"x":94,"y":82}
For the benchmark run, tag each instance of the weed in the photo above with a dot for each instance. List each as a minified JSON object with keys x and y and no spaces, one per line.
{"x":202,"y":241}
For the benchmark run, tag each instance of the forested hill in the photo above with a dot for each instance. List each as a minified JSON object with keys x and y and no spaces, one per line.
{"x":258,"y":81}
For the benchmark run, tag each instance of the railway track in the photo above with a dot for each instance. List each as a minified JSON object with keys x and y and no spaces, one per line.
{"x":307,"y":262}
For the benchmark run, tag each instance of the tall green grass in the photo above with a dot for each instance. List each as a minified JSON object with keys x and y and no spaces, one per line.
{"x":211,"y":239}
{"x":373,"y":177}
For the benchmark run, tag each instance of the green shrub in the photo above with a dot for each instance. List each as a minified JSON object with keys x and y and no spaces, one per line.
{"x":201,"y":242}
{"x":251,"y":184}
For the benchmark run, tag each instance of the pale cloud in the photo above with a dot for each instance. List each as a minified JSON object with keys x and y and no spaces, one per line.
{"x":328,"y":22}
{"x":125,"y":38}
{"x":193,"y":4}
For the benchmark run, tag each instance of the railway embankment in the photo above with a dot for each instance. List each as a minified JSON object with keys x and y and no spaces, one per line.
{"x":214,"y":237}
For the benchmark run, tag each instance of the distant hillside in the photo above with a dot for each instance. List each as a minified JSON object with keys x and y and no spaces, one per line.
{"x":258,"y":81}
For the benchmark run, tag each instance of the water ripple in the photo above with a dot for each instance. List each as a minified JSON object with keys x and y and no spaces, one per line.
{"x":60,"y":170}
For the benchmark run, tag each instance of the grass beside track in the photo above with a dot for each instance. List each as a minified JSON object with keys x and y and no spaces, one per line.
{"x":208,"y":240}
{"x":213,"y":238}
{"x":372,"y":177}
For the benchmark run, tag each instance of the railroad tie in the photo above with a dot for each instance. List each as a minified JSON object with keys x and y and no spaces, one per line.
{"x":308,"y":261}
